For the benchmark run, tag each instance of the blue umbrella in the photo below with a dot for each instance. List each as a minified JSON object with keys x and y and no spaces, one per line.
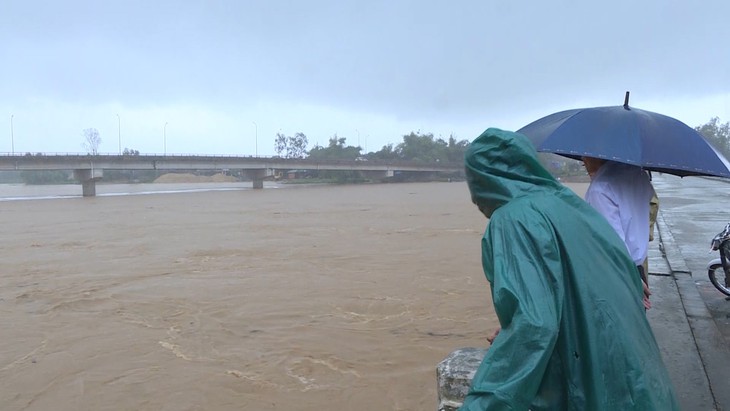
{"x":628,"y":135}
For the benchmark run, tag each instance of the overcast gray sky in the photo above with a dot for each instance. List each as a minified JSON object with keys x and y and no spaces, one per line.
{"x":226,"y":76}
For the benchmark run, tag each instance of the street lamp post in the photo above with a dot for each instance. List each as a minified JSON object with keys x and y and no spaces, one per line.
{"x":257,"y":138}
{"x":164,"y":138}
{"x":120,"y":134}
{"x":12,"y":138}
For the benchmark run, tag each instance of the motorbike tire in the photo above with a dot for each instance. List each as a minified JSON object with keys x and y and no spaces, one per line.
{"x":717,"y":277}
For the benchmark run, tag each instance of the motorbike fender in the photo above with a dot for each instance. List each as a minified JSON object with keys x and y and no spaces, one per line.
{"x":716,"y":261}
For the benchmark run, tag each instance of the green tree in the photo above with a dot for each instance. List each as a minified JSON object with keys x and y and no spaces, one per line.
{"x":424,"y":148}
{"x":717,"y":134}
{"x":456,"y":149}
{"x":291,"y":146}
{"x":421,"y":147}
{"x":297,"y":146}
{"x":336,"y":150}
{"x":280,"y":145}
{"x":385,"y":154}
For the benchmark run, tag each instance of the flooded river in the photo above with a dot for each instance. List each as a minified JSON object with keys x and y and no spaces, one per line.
{"x":304,"y":298}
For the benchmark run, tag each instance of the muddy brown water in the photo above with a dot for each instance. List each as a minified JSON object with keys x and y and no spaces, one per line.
{"x":311,"y":298}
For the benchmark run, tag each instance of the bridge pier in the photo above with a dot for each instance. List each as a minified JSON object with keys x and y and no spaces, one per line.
{"x":258,"y":176}
{"x":88,"y":178}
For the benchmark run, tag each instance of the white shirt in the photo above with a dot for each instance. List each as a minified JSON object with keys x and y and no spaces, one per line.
{"x":621,"y":193}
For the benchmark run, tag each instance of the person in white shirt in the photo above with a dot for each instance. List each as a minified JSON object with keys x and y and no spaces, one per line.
{"x":622,"y":193}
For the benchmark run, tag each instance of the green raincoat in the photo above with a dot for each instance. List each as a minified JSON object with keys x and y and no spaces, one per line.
{"x":569,"y":299}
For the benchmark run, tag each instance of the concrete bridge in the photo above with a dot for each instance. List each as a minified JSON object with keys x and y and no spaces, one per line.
{"x":88,"y":169}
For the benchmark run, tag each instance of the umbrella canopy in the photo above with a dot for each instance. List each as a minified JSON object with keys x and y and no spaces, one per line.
{"x":628,"y":135}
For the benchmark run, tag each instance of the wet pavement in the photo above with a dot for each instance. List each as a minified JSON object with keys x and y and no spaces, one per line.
{"x":690,"y":318}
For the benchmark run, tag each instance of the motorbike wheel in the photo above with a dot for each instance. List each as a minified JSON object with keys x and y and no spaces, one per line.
{"x":717,"y":276}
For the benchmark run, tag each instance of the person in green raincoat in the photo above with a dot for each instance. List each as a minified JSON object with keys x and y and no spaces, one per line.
{"x":574,"y":333}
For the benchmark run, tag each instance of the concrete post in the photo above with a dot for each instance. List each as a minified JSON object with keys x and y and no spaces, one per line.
{"x":88,"y":178}
{"x":259,"y":175}
{"x":454,"y":375}
{"x":88,"y":188}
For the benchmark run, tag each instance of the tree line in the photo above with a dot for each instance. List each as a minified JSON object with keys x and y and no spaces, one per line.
{"x":416,"y":146}
{"x":423,"y":147}
{"x":717,"y":134}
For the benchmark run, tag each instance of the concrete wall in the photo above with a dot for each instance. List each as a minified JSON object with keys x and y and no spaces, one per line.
{"x":454,"y":375}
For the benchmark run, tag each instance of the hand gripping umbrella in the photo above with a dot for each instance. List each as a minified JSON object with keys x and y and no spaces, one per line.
{"x":628,"y":135}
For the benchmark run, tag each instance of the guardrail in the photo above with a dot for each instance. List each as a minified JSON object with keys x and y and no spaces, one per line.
{"x":26,"y":161}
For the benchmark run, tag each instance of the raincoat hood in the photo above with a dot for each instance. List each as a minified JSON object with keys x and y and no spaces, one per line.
{"x":501,"y":166}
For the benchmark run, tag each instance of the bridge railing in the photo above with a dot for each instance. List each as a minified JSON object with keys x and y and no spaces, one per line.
{"x":293,"y":162}
{"x":77,"y":154}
